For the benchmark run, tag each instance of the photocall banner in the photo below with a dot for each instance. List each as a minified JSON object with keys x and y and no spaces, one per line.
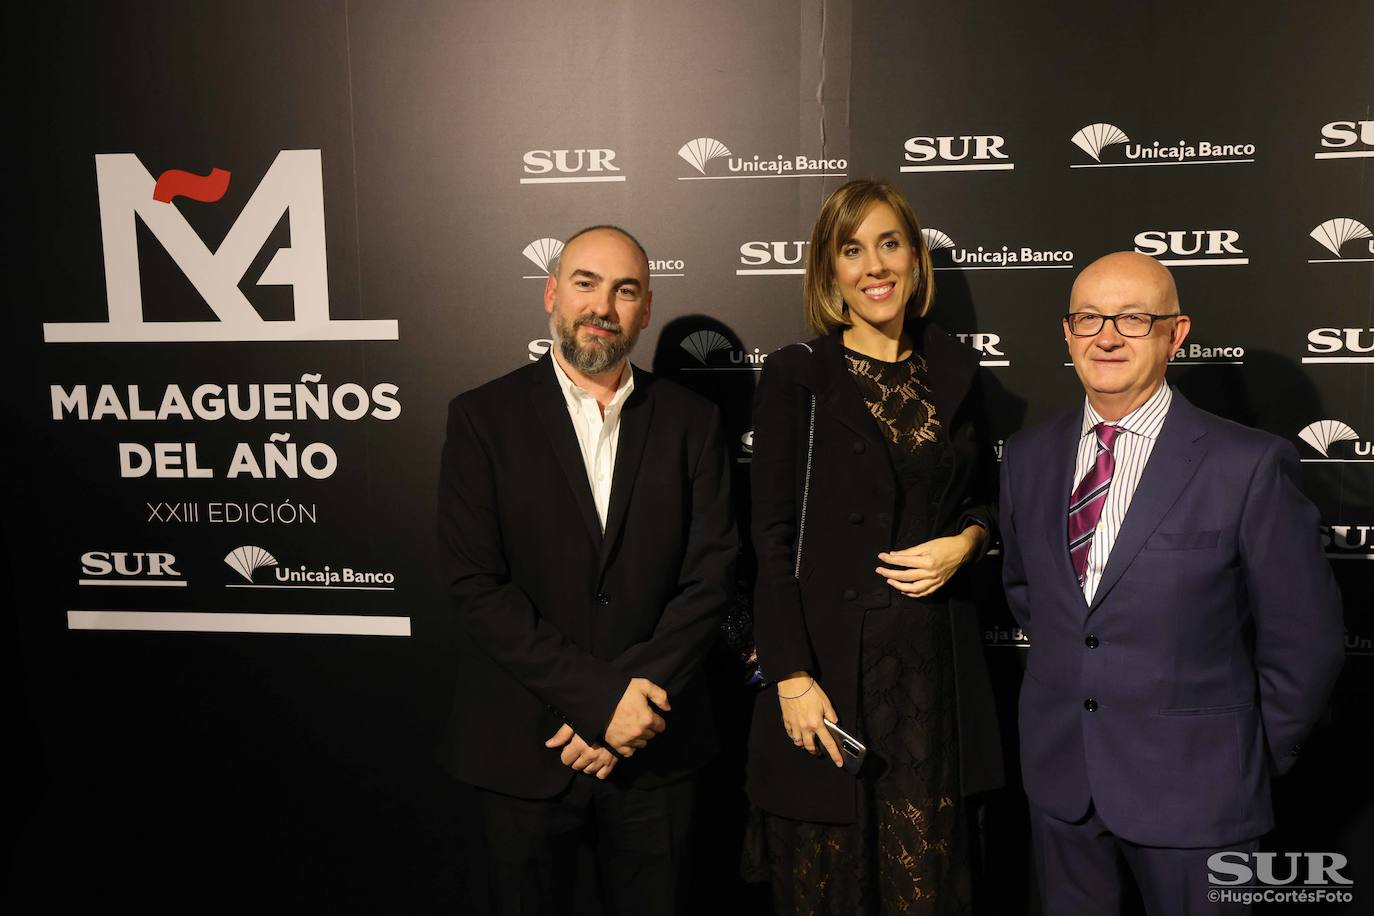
{"x":263,"y":244}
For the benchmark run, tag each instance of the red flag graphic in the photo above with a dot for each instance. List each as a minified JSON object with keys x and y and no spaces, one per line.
{"x":175,"y":183}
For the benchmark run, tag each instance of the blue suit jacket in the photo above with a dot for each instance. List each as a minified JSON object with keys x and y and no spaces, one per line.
{"x":1209,"y":649}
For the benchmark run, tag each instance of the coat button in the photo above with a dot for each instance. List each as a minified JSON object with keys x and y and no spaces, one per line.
{"x":1090,"y":704}
{"x":603,"y":598}
{"x":859,"y":448}
{"x":856,"y":518}
{"x":1091,"y":642}
{"x":850,"y":594}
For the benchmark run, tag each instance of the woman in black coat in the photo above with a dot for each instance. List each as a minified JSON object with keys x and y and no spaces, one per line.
{"x":872,"y":489}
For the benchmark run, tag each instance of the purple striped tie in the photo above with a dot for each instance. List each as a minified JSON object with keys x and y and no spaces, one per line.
{"x":1085,"y":505}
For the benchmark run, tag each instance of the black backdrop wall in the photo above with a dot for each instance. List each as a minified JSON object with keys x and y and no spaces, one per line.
{"x":227,"y":393}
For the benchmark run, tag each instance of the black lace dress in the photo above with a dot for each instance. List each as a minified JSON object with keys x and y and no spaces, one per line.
{"x":908,"y":850}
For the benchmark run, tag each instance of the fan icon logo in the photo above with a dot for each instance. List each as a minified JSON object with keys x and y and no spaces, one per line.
{"x":543,"y":253}
{"x":1335,"y":233}
{"x":702,"y":150}
{"x":704,"y":345}
{"x":247,"y":560}
{"x":1323,"y":435}
{"x":1096,"y":139}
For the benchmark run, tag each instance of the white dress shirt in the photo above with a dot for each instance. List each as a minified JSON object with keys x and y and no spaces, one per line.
{"x":598,"y":434}
{"x":1131,"y":450}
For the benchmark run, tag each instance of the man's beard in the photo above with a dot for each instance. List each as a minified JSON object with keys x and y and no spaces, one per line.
{"x":598,"y":354}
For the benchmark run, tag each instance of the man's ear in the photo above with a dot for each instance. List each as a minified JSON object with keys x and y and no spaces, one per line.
{"x":550,"y":287}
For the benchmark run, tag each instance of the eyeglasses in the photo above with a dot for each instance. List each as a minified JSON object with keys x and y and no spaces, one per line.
{"x":1127,"y":324}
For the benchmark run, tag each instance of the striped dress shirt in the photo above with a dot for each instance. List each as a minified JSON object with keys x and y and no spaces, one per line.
{"x":1139,"y":430}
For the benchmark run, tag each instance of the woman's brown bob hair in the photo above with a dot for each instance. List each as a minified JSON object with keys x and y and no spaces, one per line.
{"x":839,"y":219}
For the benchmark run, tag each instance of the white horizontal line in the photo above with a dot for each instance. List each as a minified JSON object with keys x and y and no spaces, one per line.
{"x":762,"y":271}
{"x":332,"y":588}
{"x":784,"y":175}
{"x":997,"y":167}
{"x":994,"y":362}
{"x":1338,"y":359}
{"x":1339,"y":260}
{"x":1206,"y":362}
{"x":581,"y":179}
{"x":218,"y":331}
{"x":722,"y":369}
{"x":1126,"y":165}
{"x":1006,"y":645}
{"x":535,"y":277}
{"x":154,"y":582}
{"x":1202,"y":262}
{"x":1350,"y":556}
{"x":1337,"y":460}
{"x":1348,"y":154}
{"x":208,"y":622}
{"x":1010,"y":267}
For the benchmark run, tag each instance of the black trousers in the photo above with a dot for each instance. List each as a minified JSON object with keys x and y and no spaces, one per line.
{"x":1081,"y":866}
{"x":594,"y":848}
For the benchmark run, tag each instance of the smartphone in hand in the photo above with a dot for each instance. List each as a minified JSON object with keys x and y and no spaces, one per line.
{"x":852,"y":750}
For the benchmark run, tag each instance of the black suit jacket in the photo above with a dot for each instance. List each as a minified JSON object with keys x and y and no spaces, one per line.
{"x":814,"y":623}
{"x":555,"y":618}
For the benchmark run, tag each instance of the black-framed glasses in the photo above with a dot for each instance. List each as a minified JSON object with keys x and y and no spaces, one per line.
{"x":1127,"y":324}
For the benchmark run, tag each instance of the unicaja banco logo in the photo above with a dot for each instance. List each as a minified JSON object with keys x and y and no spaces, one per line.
{"x":247,"y":560}
{"x":293,"y":186}
{"x":702,"y":150}
{"x":946,"y":254}
{"x":1334,"y":233}
{"x":713,"y":350}
{"x":1324,"y":435}
{"x":1097,"y":139}
{"x":543,"y":253}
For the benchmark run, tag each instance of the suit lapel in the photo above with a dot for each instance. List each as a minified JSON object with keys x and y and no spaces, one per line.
{"x":635,"y":419}
{"x":1173,"y":462}
{"x":552,"y":412}
{"x":1053,"y":498}
{"x":839,"y":396}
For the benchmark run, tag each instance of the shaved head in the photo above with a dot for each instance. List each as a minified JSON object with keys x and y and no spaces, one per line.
{"x":1140,"y":271}
{"x":1120,"y":371}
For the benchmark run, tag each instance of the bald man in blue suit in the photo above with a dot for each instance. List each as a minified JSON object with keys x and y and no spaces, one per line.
{"x":1185,"y":628}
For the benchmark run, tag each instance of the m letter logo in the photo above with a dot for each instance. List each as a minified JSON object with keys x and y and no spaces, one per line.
{"x":293,"y":185}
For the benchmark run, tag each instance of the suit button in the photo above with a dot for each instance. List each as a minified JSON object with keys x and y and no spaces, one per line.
{"x":850,"y":594}
{"x":603,"y":598}
{"x":1091,"y":642}
{"x":856,"y":518}
{"x":1297,"y":748}
{"x":1090,"y":704}
{"x":859,"y":448}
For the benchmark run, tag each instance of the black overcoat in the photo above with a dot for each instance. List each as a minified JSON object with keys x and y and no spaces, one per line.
{"x":813,"y":622}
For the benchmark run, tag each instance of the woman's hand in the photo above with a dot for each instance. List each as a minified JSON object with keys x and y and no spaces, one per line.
{"x":921,"y":570}
{"x":804,"y":709}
